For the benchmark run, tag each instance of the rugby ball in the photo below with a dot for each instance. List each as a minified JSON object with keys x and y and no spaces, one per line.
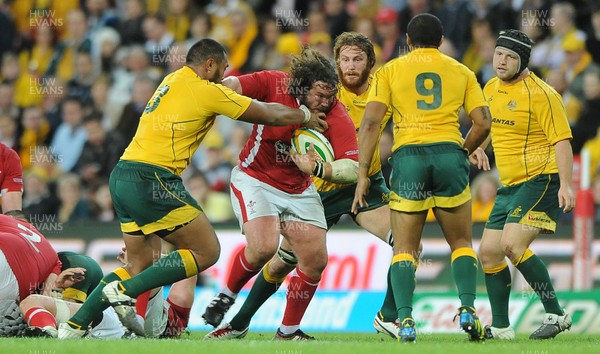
{"x":303,"y":137}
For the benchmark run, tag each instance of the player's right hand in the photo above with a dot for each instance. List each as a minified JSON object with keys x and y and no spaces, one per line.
{"x":69,"y":276}
{"x":362,"y":189}
{"x":317,"y":122}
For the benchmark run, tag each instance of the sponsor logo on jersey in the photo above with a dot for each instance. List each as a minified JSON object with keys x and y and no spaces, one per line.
{"x":503,"y":121}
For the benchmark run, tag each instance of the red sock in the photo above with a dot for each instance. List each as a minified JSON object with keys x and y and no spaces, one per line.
{"x":183,"y":313}
{"x":141,"y":304}
{"x":39,"y":317}
{"x":241,"y":272}
{"x":299,"y":294}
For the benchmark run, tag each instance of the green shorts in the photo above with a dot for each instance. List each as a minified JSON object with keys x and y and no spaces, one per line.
{"x":93,"y":275}
{"x":149,"y":198}
{"x":532,"y":203}
{"x":339,"y":201}
{"x":427,"y":176}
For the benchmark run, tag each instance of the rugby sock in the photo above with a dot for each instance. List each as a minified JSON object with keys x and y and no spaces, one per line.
{"x":403,"y":283}
{"x":535,"y":272}
{"x":464,"y":271}
{"x":264,"y":286}
{"x":94,"y":304}
{"x":39,"y":317}
{"x":498,"y":284}
{"x":241,"y":272}
{"x":299,"y":294}
{"x":388,"y":312}
{"x":141,"y":304}
{"x":184,"y":313}
{"x":176,"y":266}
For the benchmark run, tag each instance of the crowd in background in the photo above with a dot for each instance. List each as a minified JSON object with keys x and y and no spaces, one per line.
{"x":75,"y":76}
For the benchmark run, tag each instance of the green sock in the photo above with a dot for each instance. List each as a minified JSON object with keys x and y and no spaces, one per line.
{"x":176,"y":266}
{"x":464,"y":271}
{"x":403,"y":284}
{"x":260,"y":292}
{"x":94,"y":303}
{"x":388,"y":312}
{"x":498,"y":286}
{"x":536,"y":274}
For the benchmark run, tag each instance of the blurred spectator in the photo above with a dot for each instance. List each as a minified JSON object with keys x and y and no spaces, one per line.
{"x":557,"y":79}
{"x":45,"y":165}
{"x":412,"y":9}
{"x":8,"y":131}
{"x":497,"y":12}
{"x":592,"y":43}
{"x":288,"y":44}
{"x":593,"y":146}
{"x":199,"y":29}
{"x":176,"y":57}
{"x":55,"y":91}
{"x":27,"y":87}
{"x":35,"y":133}
{"x":9,"y":70}
{"x":240,"y":133}
{"x":577,"y":63}
{"x":480,"y":31}
{"x":337,"y":17}
{"x":215,"y":166}
{"x":72,"y":207}
{"x":100,"y":15}
{"x":366,"y":26}
{"x":390,"y":40}
{"x":102,"y":206}
{"x":100,"y":153}
{"x":80,"y":85}
{"x":456,"y":16}
{"x":369,"y":8}
{"x":37,"y":58}
{"x":216,"y":205}
{"x":37,"y":199}
{"x":486,"y":53}
{"x":548,"y":54}
{"x":130,"y":27}
{"x":7,"y":106}
{"x":158,"y":39}
{"x":107,"y":41}
{"x":263,"y":51}
{"x":99,"y":106}
{"x":483,"y":190}
{"x":244,"y":31}
{"x":177,"y":20}
{"x":321,"y":41}
{"x":586,"y":126}
{"x":448,"y":48}
{"x":143,"y":89}
{"x":77,"y":41}
{"x":7,"y":29}
{"x":317,"y":23}
{"x":70,"y":136}
{"x":220,"y":12}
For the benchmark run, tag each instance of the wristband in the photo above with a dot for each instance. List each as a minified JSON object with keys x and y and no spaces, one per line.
{"x":306,"y":113}
{"x":319,"y":170}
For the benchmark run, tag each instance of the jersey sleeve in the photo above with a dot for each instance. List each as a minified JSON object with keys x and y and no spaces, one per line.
{"x":13,"y":172}
{"x":552,"y":117}
{"x":343,"y":134}
{"x":474,"y":96}
{"x":223,"y":100}
{"x":256,"y":85}
{"x":381,"y":90}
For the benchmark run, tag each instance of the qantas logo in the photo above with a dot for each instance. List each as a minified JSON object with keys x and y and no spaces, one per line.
{"x":503,"y":121}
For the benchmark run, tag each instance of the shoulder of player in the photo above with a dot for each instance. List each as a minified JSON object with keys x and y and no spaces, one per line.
{"x":338,"y":114}
{"x":539,"y":90}
{"x":491,"y":82}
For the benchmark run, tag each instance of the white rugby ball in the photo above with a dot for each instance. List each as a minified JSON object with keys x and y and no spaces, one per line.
{"x":303,"y":137}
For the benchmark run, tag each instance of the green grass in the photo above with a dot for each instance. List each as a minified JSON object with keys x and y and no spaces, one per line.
{"x":338,"y":343}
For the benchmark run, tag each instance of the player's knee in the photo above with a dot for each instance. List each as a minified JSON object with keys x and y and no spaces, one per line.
{"x":314,"y":266}
{"x":259,"y":256}
{"x":206,"y":258}
{"x":512,"y":251}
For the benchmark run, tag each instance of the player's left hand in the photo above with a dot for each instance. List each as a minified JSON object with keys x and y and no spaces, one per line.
{"x":69,"y":277}
{"x":480,"y":159}
{"x":306,"y":163}
{"x":566,"y":198}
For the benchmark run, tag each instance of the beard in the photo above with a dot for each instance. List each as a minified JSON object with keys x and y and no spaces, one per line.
{"x":354,"y":82}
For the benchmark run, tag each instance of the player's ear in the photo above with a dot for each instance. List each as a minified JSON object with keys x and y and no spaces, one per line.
{"x":441,"y":41}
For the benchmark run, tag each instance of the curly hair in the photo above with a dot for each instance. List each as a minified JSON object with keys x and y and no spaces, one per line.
{"x":307,"y":68}
{"x":354,"y":39}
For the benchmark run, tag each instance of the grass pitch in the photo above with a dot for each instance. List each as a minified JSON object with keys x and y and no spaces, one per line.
{"x":335,"y":343}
